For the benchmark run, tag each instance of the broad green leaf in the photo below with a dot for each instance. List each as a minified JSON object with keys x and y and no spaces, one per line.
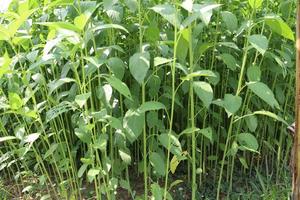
{"x":133,"y":123}
{"x":15,"y":101}
{"x":83,"y":135}
{"x":169,"y":13}
{"x":151,"y":105}
{"x":264,"y":92}
{"x":255,"y":4}
{"x":60,"y":25}
{"x":202,"y":11}
{"x":187,"y":5}
{"x":59,"y":3}
{"x":266,"y":113}
{"x":157,"y":191}
{"x":53,"y":85}
{"x":101,"y":142}
{"x":253,"y":73}
{"x":278,"y":26}
{"x":161,"y":61}
{"x":252,"y":123}
{"x":109,"y":26}
{"x":230,"y":61}
{"x":170,"y":142}
{"x":4,"y":35}
{"x":208,"y":133}
{"x":190,"y":130}
{"x":81,"y":170}
{"x":174,"y":164}
{"x":81,"y":20}
{"x":7,"y":138}
{"x":132,"y":5}
{"x":31,"y":137}
{"x":117,"y":67}
{"x":183,"y":45}
{"x":203,"y":47}
{"x":81,"y":99}
{"x":16,"y":24}
{"x":229,"y":45}
{"x":51,"y":150}
{"x":259,"y":42}
{"x":199,"y":73}
{"x":230,"y":20}
{"x":92,"y":173}
{"x":119,"y":86}
{"x":125,"y":155}
{"x":205,"y":11}
{"x":248,"y":141}
{"x":270,"y":114}
{"x":243,"y":162}
{"x":5,"y":62}
{"x":232,"y":104}
{"x":139,"y":65}
{"x":158,"y":163}
{"x":204,"y":91}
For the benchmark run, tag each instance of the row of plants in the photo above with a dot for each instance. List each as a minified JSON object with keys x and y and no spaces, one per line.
{"x":136,"y":99}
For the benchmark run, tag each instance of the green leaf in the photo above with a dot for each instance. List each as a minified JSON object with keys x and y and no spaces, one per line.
{"x":139,"y":65}
{"x":264,"y":92}
{"x":15,"y":101}
{"x":243,"y":162}
{"x":252,"y":123}
{"x":230,"y":61}
{"x":83,"y":135}
{"x":278,"y":26}
{"x":169,"y":13}
{"x":82,"y":99}
{"x":92,"y":173}
{"x":81,"y":170}
{"x":255,"y":4}
{"x":232,"y":104}
{"x":4,"y":35}
{"x":5,"y":62}
{"x":119,"y":86}
{"x":230,"y":20}
{"x":161,"y":61}
{"x":133,"y":123}
{"x":61,"y":25}
{"x":199,"y":73}
{"x":259,"y":42}
{"x":101,"y":142}
{"x":204,"y":92}
{"x":187,"y":5}
{"x":51,"y":150}
{"x":157,"y":192}
{"x":81,"y":20}
{"x":125,"y":155}
{"x":248,"y":141}
{"x":117,"y":67}
{"x":270,"y":114}
{"x":151,"y":105}
{"x":132,"y":5}
{"x":183,"y":45}
{"x":54,"y":85}
{"x":31,"y":137}
{"x":208,"y":133}
{"x":254,"y":73}
{"x":205,"y":11}
{"x":158,"y":163}
{"x":7,"y":138}
{"x":170,"y":142}
{"x":109,"y":26}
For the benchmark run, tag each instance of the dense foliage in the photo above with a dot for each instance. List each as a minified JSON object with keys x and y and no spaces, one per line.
{"x":138,"y":99}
